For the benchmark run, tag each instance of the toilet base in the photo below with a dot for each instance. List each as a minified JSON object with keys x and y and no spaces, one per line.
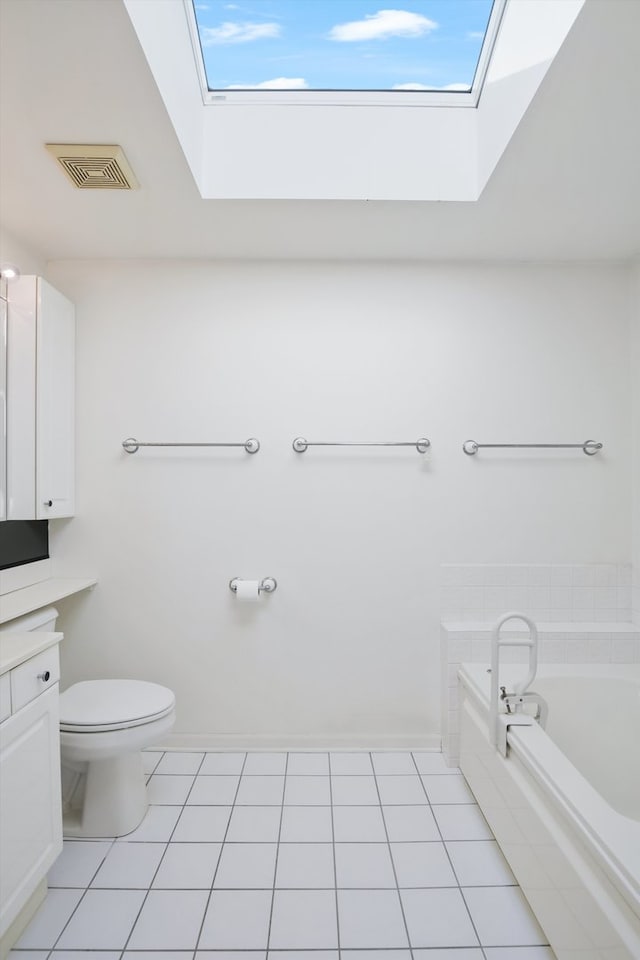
{"x":106,"y":794}
{"x":109,"y":798}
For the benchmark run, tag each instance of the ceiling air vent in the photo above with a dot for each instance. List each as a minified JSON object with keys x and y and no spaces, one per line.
{"x":94,"y":166}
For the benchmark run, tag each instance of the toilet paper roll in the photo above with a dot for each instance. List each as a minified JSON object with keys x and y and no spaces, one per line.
{"x":248,"y":590}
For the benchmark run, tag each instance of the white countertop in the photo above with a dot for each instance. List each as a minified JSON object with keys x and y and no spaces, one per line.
{"x":15,"y":648}
{"x":42,"y":594}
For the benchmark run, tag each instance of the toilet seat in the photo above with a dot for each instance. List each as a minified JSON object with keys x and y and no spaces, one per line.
{"x":99,"y":706}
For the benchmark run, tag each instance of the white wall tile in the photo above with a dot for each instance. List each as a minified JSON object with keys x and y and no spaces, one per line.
{"x":560,"y":575}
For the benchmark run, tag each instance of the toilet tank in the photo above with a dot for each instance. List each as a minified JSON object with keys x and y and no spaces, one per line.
{"x":43,"y":620}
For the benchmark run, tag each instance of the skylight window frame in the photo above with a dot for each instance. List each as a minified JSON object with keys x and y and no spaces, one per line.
{"x":374,"y":98}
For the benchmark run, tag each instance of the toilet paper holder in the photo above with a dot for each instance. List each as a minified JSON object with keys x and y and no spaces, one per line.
{"x":266,"y":585}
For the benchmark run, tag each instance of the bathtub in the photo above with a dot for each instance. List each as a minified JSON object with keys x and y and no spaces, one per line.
{"x":564,"y":804}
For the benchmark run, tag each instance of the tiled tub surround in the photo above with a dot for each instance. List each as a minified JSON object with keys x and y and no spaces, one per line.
{"x":381,"y":856}
{"x":568,"y":643}
{"x":551,"y":592}
{"x":563,"y":803}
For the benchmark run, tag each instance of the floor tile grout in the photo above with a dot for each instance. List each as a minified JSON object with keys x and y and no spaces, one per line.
{"x":335,"y":866}
{"x":379,"y":763}
{"x":215,"y":873}
{"x":454,"y":871}
{"x":393,"y":867}
{"x":275,"y":870}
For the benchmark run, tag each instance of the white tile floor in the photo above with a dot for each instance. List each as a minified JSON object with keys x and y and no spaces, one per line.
{"x":298,"y":856}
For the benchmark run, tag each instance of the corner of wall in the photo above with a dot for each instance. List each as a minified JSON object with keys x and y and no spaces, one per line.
{"x":635,"y":426}
{"x":17,"y":252}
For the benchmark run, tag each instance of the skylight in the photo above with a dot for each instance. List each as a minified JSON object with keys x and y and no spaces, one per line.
{"x":266,"y":144}
{"x":405,"y":47}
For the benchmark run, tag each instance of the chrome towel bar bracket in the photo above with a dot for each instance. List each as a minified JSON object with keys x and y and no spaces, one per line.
{"x":421,"y":445}
{"x":131,"y":445}
{"x":590,"y":447}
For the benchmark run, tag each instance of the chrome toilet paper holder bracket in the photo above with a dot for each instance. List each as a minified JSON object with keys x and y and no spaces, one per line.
{"x":266,"y":585}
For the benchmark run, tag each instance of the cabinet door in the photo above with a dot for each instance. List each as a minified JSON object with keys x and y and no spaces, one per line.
{"x":55,"y":402}
{"x":30,"y":804}
{"x":21,"y":399}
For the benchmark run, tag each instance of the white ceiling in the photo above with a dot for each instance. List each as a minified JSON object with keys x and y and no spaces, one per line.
{"x":567,"y":187}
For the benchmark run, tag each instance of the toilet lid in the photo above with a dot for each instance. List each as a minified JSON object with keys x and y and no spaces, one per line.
{"x":102,"y":705}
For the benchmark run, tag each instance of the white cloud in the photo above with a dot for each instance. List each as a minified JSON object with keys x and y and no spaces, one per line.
{"x":382,"y":25}
{"x":458,"y":87}
{"x":475,"y":35}
{"x":229,"y":32}
{"x":280,"y":83}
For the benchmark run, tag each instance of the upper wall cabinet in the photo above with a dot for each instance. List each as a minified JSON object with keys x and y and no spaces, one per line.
{"x":40,"y":401}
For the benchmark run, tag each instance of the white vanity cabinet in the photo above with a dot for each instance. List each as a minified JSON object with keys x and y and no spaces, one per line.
{"x":40,"y":427}
{"x":30,"y":804}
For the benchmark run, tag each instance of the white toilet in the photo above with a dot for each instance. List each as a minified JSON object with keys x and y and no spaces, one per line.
{"x":104,"y":724}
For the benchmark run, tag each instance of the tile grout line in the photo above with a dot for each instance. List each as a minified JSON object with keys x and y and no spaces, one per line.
{"x":381,"y":843}
{"x":112,"y":842}
{"x":215,"y":872}
{"x":342,"y":952}
{"x":393,"y":866}
{"x":275,"y":869}
{"x":444,"y":845}
{"x":333,"y":850}
{"x":166,"y":847}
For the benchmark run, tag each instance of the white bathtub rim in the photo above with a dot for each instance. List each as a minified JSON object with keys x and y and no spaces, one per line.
{"x":606,"y":832}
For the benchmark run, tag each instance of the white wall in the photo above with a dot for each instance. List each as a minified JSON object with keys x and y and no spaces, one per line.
{"x":635,"y":382}
{"x":13,"y":251}
{"x":348,"y":646}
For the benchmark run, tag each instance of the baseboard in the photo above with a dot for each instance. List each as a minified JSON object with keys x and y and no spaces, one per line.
{"x":17,"y":927}
{"x":231,"y":742}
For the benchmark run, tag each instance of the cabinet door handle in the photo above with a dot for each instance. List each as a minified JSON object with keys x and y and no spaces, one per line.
{"x":44,"y":676}
{"x":47,"y":503}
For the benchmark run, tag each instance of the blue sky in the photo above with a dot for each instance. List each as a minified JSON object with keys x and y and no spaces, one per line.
{"x":341,"y":44}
